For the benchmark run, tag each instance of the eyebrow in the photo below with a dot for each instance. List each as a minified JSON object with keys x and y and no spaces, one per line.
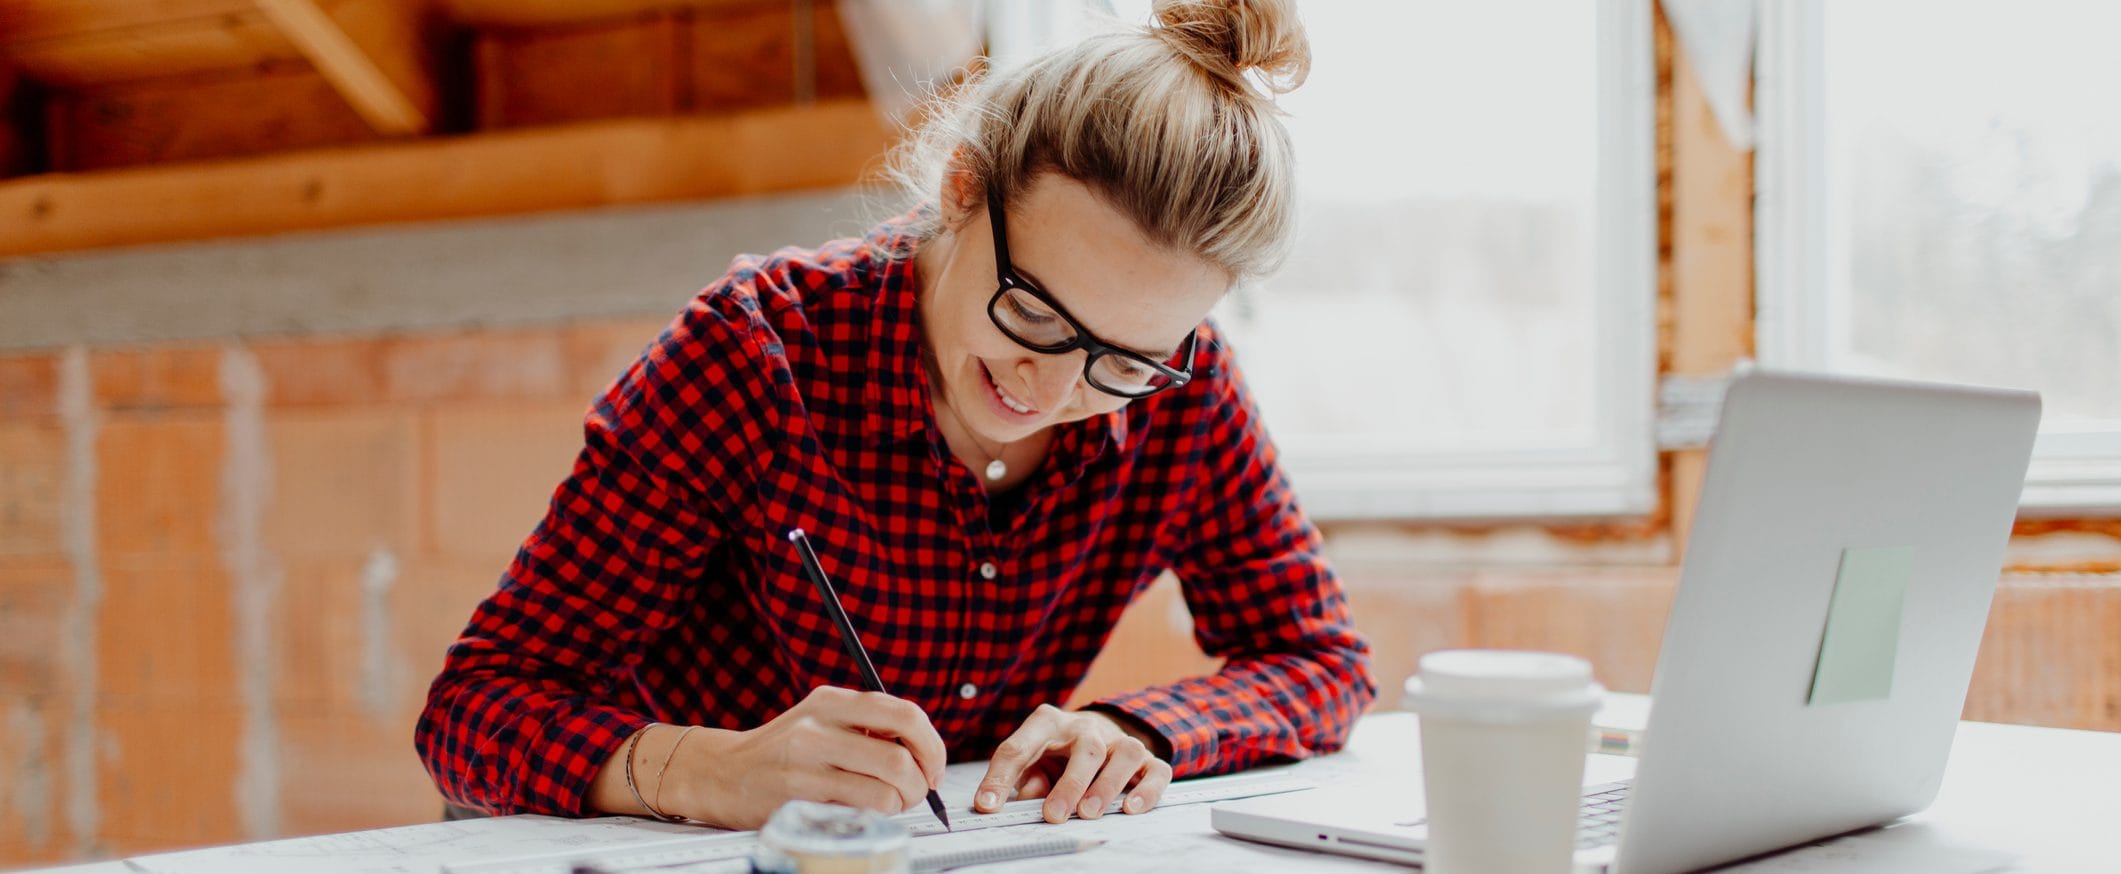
{"x":1027,"y":276}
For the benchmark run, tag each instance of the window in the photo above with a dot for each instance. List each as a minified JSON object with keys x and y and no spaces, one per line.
{"x":1944,"y":202}
{"x":1465,"y":328}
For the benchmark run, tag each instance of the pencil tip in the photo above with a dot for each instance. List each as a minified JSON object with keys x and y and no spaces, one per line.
{"x":935,"y":803}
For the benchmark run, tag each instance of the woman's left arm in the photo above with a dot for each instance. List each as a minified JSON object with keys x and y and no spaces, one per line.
{"x":1297,"y":674}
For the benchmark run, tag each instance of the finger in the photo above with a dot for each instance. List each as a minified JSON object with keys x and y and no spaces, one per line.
{"x":883,"y":760}
{"x":898,"y":718}
{"x":1156,"y":777}
{"x":1086,"y":756}
{"x":1006,"y":770}
{"x":1126,"y":762}
{"x":1036,"y":784}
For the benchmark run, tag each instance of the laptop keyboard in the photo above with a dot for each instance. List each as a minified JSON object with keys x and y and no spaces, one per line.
{"x":1598,"y":820}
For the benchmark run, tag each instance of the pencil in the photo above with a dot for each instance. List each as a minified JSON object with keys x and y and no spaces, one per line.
{"x":850,"y":640}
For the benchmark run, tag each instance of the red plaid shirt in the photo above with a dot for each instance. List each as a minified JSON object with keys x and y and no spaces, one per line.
{"x":660,"y":585}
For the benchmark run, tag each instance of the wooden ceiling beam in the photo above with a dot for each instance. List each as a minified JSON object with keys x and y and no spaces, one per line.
{"x":24,"y":21}
{"x":829,"y":144}
{"x":243,"y":39}
{"x":375,"y":52}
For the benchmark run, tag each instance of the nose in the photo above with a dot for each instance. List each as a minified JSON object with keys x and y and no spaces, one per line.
{"x":1052,"y":378}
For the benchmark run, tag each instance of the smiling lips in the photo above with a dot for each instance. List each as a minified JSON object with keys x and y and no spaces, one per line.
{"x":1007,"y":400}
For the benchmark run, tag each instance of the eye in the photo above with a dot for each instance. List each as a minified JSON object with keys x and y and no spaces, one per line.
{"x":1019,"y":310}
{"x":1126,"y":368}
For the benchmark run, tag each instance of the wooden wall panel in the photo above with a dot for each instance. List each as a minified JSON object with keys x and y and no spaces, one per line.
{"x":18,"y":152}
{"x":551,"y":13}
{"x":163,"y":121}
{"x":838,"y":73}
{"x":743,"y":57}
{"x":378,"y":53}
{"x":1706,"y":325}
{"x":554,"y":76}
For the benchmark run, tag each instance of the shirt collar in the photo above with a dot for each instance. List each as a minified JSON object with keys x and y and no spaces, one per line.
{"x":897,"y":393}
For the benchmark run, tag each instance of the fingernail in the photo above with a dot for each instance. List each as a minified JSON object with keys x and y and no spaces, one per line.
{"x":1092,"y":807}
{"x":988,"y":799}
{"x":1134,"y":804}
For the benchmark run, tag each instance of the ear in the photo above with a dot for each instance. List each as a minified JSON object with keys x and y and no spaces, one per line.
{"x":963,"y":192}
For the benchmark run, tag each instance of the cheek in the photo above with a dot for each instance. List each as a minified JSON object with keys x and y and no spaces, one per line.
{"x":1097,"y":403}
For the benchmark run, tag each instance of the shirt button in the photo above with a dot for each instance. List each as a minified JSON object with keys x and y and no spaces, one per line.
{"x":967,"y":691}
{"x":987,"y":571}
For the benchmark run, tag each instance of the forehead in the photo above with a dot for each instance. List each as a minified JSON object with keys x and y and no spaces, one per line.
{"x":1098,"y":264}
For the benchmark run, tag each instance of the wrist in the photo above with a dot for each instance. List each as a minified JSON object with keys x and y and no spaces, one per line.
{"x":1135,"y":728}
{"x":690,"y":786}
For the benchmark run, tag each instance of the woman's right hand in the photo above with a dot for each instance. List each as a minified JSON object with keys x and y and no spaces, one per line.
{"x":862,"y":749}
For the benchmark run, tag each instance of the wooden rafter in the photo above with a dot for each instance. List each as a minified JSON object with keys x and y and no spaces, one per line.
{"x":374,"y":53}
{"x":27,"y":21}
{"x":831,"y":143}
{"x":239,"y":40}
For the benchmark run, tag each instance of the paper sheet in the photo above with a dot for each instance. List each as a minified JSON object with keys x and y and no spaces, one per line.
{"x":1857,"y":651}
{"x":414,"y":849}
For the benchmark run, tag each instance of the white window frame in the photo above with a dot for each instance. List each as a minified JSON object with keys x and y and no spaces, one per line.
{"x":1612,"y":473}
{"x":2072,"y":473}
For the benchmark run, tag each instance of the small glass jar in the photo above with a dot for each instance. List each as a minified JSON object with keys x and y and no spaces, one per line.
{"x":806,"y":837}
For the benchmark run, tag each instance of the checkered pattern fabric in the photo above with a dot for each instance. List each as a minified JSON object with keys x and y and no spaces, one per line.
{"x":660,"y":585}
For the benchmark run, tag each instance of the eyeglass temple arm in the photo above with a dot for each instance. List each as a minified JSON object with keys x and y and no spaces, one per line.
{"x":1001,"y":235}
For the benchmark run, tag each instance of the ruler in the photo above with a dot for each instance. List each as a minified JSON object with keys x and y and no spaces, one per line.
{"x":740,"y":845}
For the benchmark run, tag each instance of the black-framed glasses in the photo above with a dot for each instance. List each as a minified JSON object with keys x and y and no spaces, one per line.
{"x":1039,"y":323}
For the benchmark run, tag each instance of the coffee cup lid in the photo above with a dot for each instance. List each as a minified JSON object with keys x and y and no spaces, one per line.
{"x":1503,"y":685}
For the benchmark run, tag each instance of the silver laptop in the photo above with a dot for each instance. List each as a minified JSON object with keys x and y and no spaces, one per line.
{"x":1762,"y":733}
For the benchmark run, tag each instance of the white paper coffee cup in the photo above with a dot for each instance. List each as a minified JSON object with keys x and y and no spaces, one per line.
{"x":1502,"y":753}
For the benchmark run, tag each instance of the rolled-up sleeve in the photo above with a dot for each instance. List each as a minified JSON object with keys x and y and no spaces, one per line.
{"x":523,"y":714}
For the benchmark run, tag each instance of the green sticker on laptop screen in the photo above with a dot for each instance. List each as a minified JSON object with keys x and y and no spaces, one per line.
{"x":1863,"y":625}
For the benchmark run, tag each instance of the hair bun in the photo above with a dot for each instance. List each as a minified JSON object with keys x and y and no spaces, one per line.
{"x":1232,"y":38}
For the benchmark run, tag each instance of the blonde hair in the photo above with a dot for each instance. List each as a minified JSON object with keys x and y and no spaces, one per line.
{"x":1172,"y":124}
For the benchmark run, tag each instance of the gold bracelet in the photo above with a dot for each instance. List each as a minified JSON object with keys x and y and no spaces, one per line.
{"x":657,"y":808}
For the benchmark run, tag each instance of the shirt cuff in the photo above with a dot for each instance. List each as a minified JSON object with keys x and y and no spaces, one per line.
{"x":1184,"y":722}
{"x":574,"y":748}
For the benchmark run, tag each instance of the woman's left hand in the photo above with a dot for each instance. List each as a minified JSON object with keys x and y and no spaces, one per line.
{"x":1078,"y":761}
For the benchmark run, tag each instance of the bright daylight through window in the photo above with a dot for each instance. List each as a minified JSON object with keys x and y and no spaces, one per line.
{"x":1944,"y":202}
{"x":1464,"y":327}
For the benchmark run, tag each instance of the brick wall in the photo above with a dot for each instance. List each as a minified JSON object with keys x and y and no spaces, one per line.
{"x":228,"y":570}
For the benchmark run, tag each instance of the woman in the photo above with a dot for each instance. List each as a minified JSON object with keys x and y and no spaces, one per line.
{"x":999,"y":419}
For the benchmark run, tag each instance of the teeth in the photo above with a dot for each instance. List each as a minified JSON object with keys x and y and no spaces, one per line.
{"x":1010,"y":402}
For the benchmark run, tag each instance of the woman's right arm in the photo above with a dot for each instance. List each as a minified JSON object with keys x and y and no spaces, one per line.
{"x":523,"y":717}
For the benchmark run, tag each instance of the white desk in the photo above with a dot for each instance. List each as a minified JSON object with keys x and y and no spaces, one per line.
{"x":2049,"y":798}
